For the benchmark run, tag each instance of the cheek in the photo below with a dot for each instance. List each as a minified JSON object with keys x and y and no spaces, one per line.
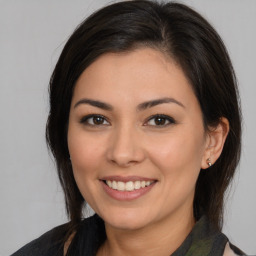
{"x":177,"y":154}
{"x":178,"y":161}
{"x":85,"y":153}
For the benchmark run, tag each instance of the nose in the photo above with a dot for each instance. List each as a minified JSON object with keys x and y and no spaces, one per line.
{"x":125,"y":147}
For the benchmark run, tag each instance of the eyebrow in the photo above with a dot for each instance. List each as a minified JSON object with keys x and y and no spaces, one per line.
{"x":140,"y":107}
{"x":94,"y":103}
{"x":152,"y":103}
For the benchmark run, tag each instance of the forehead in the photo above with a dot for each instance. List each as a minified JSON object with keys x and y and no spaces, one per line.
{"x":137,"y":75}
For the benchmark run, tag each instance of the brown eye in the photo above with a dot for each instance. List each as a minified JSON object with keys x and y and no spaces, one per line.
{"x":160,"y":120}
{"x":98,"y":120}
{"x":94,"y":120}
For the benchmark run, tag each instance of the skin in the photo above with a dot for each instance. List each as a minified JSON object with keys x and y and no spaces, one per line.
{"x":128,"y":141}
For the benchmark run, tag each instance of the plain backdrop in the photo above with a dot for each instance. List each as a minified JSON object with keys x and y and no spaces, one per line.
{"x":32,"y":35}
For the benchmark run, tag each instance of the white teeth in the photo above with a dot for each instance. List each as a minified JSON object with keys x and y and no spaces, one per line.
{"x":114,"y":184}
{"x":137,"y":184}
{"x":120,"y":186}
{"x":128,"y":186}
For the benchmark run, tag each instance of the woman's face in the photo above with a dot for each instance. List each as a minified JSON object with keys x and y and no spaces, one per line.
{"x":136,"y":139}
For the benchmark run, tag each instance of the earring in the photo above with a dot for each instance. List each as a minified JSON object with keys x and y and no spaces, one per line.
{"x":209,"y":162}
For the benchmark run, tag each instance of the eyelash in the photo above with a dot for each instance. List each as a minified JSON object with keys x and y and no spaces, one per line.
{"x":85,"y":119}
{"x":170,"y":120}
{"x":164,"y":117}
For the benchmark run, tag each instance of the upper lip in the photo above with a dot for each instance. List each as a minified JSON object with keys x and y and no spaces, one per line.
{"x":127,"y":178}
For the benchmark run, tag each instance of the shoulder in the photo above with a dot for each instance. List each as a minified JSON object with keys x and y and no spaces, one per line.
{"x":89,"y":237}
{"x":231,"y":250}
{"x":50,"y":243}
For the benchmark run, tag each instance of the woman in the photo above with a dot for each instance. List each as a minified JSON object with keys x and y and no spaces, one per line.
{"x":145,"y":127}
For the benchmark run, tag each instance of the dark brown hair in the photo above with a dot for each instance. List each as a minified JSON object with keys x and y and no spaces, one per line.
{"x":178,"y":32}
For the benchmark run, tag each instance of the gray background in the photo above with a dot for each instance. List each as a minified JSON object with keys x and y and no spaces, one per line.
{"x":32,"y":35}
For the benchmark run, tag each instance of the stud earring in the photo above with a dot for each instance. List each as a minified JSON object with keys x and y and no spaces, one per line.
{"x":209,"y":162}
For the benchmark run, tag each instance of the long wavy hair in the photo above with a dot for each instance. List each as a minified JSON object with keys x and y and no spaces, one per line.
{"x":178,"y":32}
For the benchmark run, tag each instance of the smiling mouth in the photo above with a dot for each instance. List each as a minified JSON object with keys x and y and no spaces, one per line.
{"x":127,"y":186}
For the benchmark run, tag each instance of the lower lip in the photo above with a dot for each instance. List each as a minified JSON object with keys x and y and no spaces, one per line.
{"x":126,"y":195}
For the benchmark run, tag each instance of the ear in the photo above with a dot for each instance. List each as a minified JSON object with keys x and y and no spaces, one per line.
{"x":216,"y":137}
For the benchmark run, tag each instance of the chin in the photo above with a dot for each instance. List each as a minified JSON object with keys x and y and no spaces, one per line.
{"x":125,"y":221}
{"x":127,"y":225}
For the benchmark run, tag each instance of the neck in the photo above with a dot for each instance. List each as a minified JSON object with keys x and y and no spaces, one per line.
{"x":161,"y":238}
